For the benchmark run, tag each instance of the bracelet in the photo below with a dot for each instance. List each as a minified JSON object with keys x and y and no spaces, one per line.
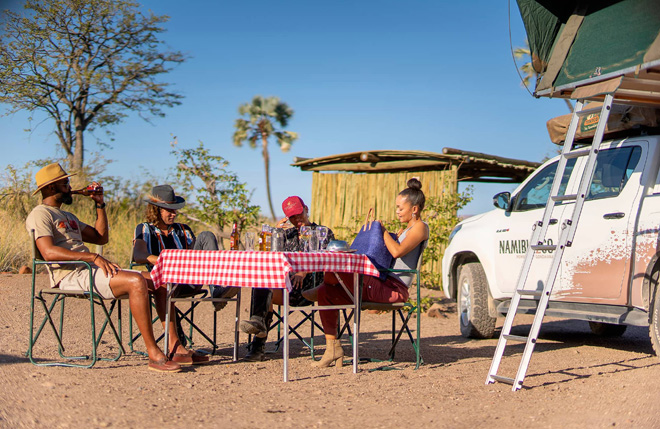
{"x":97,"y":255}
{"x":100,"y":206}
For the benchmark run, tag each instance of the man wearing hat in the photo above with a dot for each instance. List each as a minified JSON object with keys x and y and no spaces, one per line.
{"x":160,"y":232}
{"x":261,"y":308}
{"x":60,"y":236}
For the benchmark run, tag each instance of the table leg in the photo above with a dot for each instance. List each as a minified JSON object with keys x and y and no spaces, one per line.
{"x":285,"y":351}
{"x":357,"y":292}
{"x":167,"y":321}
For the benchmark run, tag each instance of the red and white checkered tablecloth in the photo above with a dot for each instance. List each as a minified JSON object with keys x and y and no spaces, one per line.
{"x":251,"y":269}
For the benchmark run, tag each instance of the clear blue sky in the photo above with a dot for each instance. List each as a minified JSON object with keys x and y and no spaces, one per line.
{"x":364,"y":75}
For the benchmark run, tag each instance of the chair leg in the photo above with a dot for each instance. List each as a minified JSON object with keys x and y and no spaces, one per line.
{"x":237,"y":319}
{"x":108,"y":321}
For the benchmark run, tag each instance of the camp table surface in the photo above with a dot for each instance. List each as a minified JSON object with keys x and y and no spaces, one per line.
{"x":258,"y":270}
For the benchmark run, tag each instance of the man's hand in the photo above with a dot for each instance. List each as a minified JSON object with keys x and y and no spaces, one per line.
{"x":109,"y":268}
{"x":98,"y":198}
{"x":297,"y":280}
{"x":284,"y":223}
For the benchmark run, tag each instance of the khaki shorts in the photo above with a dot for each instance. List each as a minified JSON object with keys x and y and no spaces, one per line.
{"x":79,"y":280}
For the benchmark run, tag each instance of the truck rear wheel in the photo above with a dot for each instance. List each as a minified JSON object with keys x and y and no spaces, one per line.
{"x":654,"y":327}
{"x":473,"y":317}
{"x":607,"y":329}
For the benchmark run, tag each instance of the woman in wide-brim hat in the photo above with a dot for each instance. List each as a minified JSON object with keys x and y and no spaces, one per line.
{"x":160,"y":232}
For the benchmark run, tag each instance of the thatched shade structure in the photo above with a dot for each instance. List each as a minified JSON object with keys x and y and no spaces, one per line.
{"x":341,"y":195}
{"x":345,"y":186}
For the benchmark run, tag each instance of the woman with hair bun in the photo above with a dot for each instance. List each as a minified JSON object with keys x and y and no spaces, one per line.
{"x":413,"y":233}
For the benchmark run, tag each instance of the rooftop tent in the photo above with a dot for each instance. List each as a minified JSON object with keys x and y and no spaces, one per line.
{"x":579,"y":43}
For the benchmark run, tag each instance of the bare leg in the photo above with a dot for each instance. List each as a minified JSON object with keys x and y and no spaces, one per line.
{"x":278,"y":298}
{"x":135,"y":286}
{"x":160,"y":297}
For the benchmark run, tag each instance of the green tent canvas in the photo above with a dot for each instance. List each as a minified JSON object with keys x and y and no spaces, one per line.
{"x":579,"y":43}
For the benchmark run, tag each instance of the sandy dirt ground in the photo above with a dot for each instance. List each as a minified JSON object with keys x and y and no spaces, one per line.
{"x":575,"y":379}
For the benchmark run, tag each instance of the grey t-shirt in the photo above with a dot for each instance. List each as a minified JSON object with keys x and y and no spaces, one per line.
{"x":66,"y":230}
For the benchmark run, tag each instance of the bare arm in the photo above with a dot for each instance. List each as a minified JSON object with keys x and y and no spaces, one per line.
{"x":418,"y":233}
{"x":141,"y":253}
{"x":51,"y":252}
{"x":99,"y":233}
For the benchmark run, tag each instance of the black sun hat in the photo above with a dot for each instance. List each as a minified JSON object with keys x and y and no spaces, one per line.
{"x":164,"y":196}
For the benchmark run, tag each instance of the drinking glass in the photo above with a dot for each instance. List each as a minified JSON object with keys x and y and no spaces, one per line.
{"x":250,"y":238}
{"x":305,"y":233}
{"x":314,"y":241}
{"x":322,"y":231}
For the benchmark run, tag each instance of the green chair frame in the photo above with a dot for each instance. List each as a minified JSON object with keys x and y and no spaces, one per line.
{"x":60,"y":296}
{"x":396,"y":308}
{"x":278,"y":320}
{"x":189,"y":316}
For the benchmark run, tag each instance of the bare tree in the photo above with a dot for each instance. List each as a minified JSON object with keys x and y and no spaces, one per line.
{"x":85,"y":64}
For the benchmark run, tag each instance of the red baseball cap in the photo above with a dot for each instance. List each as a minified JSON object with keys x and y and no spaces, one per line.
{"x":293,"y":206}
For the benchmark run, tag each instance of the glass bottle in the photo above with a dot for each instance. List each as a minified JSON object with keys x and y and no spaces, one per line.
{"x":267,"y":235}
{"x":89,"y":190}
{"x":234,"y":238}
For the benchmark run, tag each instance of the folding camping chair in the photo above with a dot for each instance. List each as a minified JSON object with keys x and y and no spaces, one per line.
{"x":397,"y":308}
{"x":278,"y":320}
{"x":195,"y":298}
{"x":61,"y":296}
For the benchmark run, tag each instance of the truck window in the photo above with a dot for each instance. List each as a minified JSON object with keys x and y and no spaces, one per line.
{"x":613,"y":169}
{"x":536,"y":192}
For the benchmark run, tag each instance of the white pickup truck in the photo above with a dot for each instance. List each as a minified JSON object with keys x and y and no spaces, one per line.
{"x":608,"y":277}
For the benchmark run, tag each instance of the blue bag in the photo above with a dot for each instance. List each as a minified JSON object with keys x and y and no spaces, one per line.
{"x":369,"y":241}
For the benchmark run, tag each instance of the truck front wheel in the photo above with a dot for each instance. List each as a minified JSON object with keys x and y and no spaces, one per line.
{"x":654,"y":327}
{"x":473,"y":317}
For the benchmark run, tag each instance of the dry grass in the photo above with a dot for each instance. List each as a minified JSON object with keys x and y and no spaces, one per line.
{"x":14,"y":245}
{"x":14,"y":240}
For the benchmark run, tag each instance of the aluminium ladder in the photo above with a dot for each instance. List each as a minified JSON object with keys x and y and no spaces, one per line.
{"x":539,"y":231}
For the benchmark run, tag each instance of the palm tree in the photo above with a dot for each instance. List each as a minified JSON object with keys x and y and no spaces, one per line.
{"x":528,"y":72}
{"x":256,"y":125}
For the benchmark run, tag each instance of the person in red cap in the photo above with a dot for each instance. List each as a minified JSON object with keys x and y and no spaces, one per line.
{"x":261,"y":308}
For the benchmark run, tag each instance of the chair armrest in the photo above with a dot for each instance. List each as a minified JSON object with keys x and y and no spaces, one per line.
{"x":42,"y":262}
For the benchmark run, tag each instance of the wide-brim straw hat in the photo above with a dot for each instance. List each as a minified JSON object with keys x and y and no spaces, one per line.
{"x":50,"y":174}
{"x":164,"y":196}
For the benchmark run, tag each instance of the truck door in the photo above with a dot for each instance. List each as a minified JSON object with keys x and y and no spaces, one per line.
{"x":593,"y":268}
{"x":515,"y":229}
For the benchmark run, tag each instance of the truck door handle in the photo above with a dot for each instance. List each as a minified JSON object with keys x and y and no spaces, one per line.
{"x":553,"y":221}
{"x":617,"y":215}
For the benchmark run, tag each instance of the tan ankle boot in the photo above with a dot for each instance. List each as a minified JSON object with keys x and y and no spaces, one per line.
{"x":333,"y":354}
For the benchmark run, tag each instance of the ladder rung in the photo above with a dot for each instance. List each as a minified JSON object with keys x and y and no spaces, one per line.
{"x":577,"y":153}
{"x":567,"y":197}
{"x":586,"y":112}
{"x":516,"y":338}
{"x":503,"y":379}
{"x":543,"y":247}
{"x":530,"y":292}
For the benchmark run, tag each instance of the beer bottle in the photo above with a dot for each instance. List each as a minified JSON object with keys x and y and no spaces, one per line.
{"x":89,"y":190}
{"x":267,"y":237}
{"x":235,"y":237}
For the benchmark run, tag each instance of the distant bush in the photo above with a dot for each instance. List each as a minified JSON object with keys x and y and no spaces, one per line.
{"x":125,"y":209}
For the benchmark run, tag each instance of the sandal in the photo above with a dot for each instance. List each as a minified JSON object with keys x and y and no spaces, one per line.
{"x":194,"y":358}
{"x":164,"y":365}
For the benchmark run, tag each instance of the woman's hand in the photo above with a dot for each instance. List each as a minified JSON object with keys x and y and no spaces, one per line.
{"x":297,"y":280}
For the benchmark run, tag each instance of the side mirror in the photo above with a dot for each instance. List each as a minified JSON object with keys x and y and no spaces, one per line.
{"x":502,"y":201}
